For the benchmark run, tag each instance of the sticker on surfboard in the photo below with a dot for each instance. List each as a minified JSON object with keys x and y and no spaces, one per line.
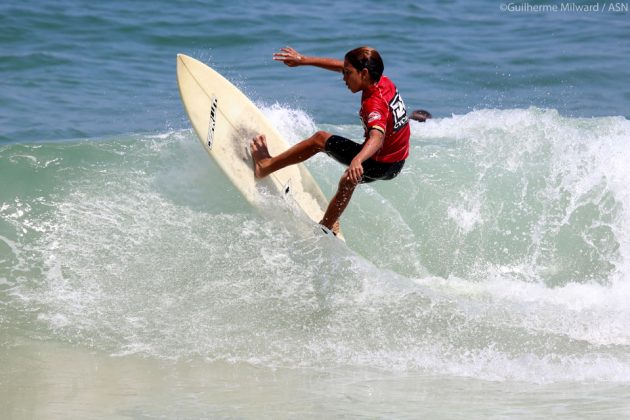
{"x":213,"y":122}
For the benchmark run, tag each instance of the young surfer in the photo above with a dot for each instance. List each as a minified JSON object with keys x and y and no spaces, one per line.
{"x":382,"y":154}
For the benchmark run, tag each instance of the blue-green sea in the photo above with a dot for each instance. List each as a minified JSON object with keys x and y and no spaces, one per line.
{"x":490,"y":279}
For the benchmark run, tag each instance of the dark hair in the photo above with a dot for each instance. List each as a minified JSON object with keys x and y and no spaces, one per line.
{"x":366,"y":58}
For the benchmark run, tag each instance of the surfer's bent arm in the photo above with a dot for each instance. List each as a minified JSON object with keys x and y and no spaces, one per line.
{"x":371,"y":146}
{"x":292,"y":58}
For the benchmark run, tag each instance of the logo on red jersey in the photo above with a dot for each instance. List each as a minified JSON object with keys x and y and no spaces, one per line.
{"x":399,"y":112}
{"x":374,"y":116}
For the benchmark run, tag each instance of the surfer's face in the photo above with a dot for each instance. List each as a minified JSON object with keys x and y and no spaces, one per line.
{"x":355,"y":80}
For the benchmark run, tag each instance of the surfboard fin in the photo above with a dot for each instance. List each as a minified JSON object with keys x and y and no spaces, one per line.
{"x":286,"y":189}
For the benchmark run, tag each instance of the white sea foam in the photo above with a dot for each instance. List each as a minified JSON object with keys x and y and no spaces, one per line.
{"x":500,"y":253}
{"x":293,"y":124}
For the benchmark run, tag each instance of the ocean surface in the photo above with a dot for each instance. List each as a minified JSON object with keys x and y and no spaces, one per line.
{"x":491,"y":279}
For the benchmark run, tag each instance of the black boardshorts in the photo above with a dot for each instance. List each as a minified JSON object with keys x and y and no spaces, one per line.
{"x":344,"y":150}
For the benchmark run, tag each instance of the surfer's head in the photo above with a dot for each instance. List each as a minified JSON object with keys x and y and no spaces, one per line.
{"x":421,"y":115}
{"x":366,"y":58}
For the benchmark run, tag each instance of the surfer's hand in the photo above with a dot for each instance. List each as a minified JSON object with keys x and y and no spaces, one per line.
{"x":289,"y":56}
{"x":355,"y":171}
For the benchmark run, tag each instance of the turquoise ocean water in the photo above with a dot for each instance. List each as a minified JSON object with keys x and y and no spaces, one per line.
{"x":491,"y":278}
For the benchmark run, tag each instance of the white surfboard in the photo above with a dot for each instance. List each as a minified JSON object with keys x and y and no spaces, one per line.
{"x":225,"y":121}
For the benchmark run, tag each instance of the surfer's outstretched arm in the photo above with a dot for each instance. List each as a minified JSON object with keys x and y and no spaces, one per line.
{"x":292,"y":58}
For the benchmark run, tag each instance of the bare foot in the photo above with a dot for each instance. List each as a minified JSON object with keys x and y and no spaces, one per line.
{"x":261,"y":155}
{"x":334,"y":228}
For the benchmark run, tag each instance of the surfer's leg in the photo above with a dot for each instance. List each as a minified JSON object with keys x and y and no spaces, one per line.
{"x":338,"y":203}
{"x":265,"y":164}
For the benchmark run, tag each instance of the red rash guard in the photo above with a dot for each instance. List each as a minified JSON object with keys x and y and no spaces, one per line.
{"x":383,"y":109}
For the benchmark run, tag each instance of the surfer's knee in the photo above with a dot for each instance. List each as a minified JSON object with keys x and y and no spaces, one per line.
{"x":320,"y":138}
